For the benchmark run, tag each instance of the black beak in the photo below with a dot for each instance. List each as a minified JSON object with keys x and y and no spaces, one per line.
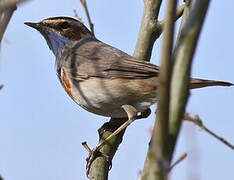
{"x":33,"y":25}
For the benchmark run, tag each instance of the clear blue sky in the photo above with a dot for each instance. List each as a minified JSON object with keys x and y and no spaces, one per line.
{"x":41,"y":128}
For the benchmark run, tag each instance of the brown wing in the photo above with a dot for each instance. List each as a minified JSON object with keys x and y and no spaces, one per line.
{"x":129,"y":67}
{"x":92,"y":58}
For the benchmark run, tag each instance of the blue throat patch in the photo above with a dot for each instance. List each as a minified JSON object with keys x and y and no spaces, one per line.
{"x":55,"y":41}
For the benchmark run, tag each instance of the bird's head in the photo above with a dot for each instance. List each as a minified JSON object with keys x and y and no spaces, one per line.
{"x":60,"y":31}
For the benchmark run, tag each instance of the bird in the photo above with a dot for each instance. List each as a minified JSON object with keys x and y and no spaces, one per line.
{"x":98,"y":77}
{"x":101,"y":78}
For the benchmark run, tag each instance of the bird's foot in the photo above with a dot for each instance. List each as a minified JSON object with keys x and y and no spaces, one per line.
{"x":93,"y":154}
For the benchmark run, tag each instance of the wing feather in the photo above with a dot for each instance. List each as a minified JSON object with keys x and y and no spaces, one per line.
{"x":93,"y":58}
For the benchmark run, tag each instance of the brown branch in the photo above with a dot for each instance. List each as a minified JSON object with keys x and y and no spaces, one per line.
{"x":196,"y":120}
{"x":1,"y":86}
{"x":86,"y":146}
{"x":83,"y":2}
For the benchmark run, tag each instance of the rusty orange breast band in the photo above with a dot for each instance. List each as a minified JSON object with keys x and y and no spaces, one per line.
{"x":66,"y":83}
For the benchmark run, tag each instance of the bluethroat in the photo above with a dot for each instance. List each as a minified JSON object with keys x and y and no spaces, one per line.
{"x":98,"y":77}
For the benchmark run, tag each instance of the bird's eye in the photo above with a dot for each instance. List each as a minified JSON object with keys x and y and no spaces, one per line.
{"x":64,"y":25}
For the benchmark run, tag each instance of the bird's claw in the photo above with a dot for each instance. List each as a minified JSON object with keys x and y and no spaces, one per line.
{"x":144,"y":114}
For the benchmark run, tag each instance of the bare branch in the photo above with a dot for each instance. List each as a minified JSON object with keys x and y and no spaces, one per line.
{"x":196,"y":120}
{"x":83,"y":2}
{"x":183,"y":55}
{"x":146,"y":36}
{"x":157,"y":163}
{"x":160,"y":132}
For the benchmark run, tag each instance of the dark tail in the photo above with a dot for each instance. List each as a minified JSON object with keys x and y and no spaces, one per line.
{"x":200,"y":83}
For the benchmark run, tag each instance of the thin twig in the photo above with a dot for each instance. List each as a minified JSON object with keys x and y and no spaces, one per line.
{"x":86,"y":146}
{"x":196,"y":120}
{"x":181,"y":158}
{"x":83,"y":2}
{"x":76,"y":16}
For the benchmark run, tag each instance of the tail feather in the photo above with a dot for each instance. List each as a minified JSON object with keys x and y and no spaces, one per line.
{"x":199,"y":83}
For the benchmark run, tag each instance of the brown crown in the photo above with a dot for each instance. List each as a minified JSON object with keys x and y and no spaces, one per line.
{"x":67,"y":27}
